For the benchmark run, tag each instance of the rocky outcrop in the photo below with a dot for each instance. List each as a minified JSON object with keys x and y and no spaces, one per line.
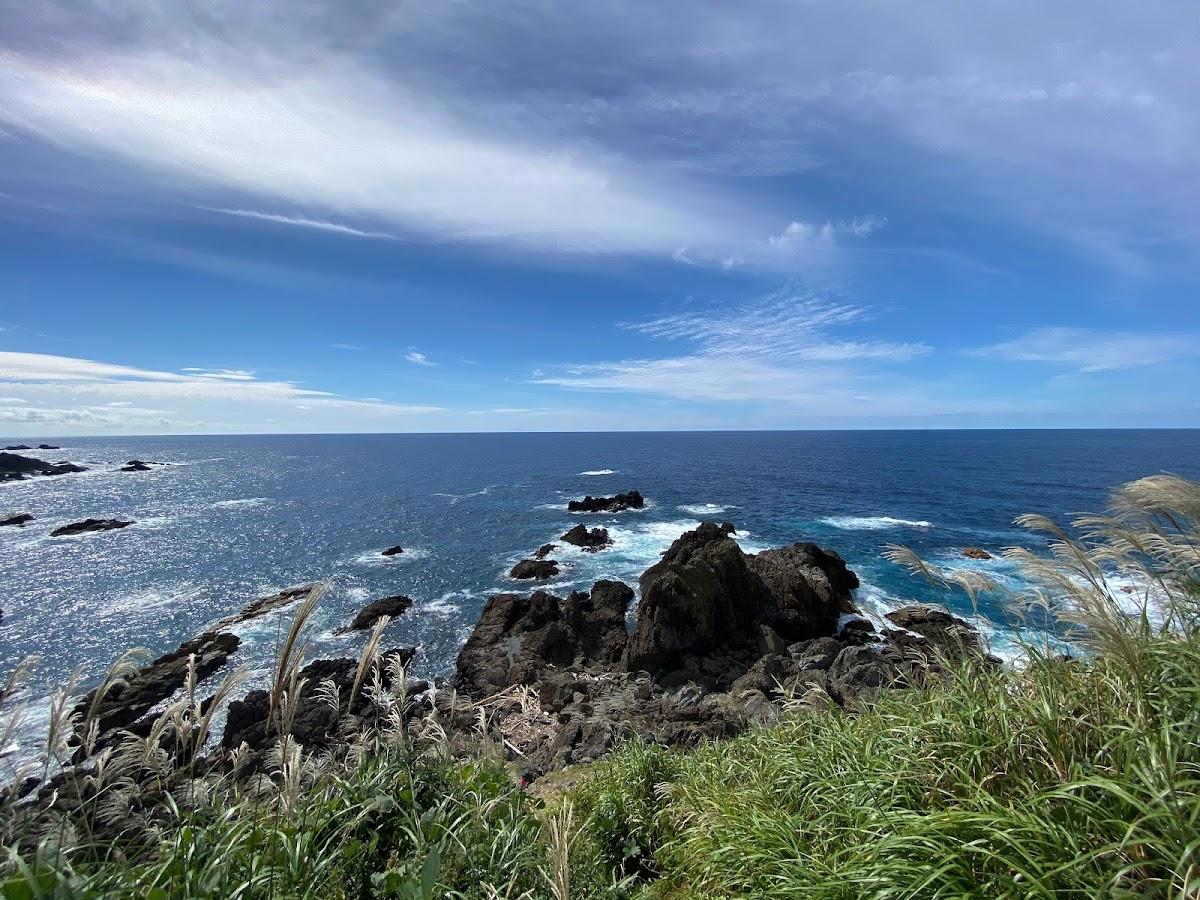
{"x":137,"y":465}
{"x":976,"y":553}
{"x":126,"y":701}
{"x":534,"y":569}
{"x":372,"y":612}
{"x":545,"y":550}
{"x":264,"y":605}
{"x":517,"y":639}
{"x":392,"y":551}
{"x":722,"y":640}
{"x":314,"y":722}
{"x":14,"y":467}
{"x":707,"y":605}
{"x":89,"y":525}
{"x":589,"y":539}
{"x":38,"y":447}
{"x":618,"y":503}
{"x":934,"y":632}
{"x":18,"y":519}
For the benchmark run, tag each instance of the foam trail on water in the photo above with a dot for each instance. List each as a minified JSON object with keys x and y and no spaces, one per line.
{"x":705,"y":509}
{"x":599,"y":472}
{"x":872,"y":523}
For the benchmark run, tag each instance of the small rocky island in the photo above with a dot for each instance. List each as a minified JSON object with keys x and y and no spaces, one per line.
{"x":88,"y":526}
{"x":617,"y":503}
{"x":15,"y":467}
{"x":721,"y":641}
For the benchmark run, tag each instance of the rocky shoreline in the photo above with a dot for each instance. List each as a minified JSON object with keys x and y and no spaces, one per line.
{"x":720,"y":641}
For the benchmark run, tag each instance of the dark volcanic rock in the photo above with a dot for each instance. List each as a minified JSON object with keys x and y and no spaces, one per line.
{"x":580,"y":536}
{"x":19,"y":447}
{"x":545,"y":550}
{"x":18,"y":519}
{"x":706,"y":598}
{"x":315,"y":724}
{"x":89,"y":525}
{"x":265,"y":604}
{"x":976,"y":553}
{"x":517,"y":638}
{"x":48,"y":447}
{"x":590,"y":504}
{"x":128,"y":701}
{"x":859,"y":672}
{"x":534,"y":568}
{"x":393,"y":551}
{"x":135,"y":465}
{"x":369,"y":614}
{"x":941,"y":632}
{"x":14,"y":467}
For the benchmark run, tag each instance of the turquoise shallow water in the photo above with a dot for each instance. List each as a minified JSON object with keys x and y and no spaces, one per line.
{"x":233,"y":518}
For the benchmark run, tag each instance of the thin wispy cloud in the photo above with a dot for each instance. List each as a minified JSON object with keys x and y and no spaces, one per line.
{"x":418,"y":359}
{"x":1089,"y":351}
{"x":302,"y":222}
{"x":111,"y":396}
{"x":785,"y":347}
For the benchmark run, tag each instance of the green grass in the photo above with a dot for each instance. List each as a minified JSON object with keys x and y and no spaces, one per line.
{"x":1057,"y":778}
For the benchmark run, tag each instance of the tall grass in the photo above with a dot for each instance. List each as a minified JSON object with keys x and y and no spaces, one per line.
{"x":1060,"y":778}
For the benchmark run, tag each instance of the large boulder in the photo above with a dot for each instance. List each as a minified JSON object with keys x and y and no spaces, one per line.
{"x":376,"y":610}
{"x":534,"y":569}
{"x":89,"y":525}
{"x":934,"y":632}
{"x":617,"y":503}
{"x":18,"y":519}
{"x":707,"y":598}
{"x":517,"y":639}
{"x":589,"y":539}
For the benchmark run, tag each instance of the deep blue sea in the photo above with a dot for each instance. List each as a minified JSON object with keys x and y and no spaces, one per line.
{"x":234,"y":518}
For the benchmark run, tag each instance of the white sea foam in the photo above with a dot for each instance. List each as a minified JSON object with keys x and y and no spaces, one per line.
{"x":376,"y":557}
{"x":241,"y":503}
{"x":704,"y":509}
{"x":599,"y":472}
{"x":873,"y":523}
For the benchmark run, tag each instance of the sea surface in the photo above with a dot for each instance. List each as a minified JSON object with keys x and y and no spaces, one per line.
{"x":231,"y":519}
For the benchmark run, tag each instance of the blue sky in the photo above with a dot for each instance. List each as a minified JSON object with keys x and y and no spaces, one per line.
{"x":470,"y":216}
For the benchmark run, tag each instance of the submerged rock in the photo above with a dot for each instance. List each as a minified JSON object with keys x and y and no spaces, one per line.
{"x":976,"y":553}
{"x":18,"y":519}
{"x":545,"y":550}
{"x":539,"y":569}
{"x":14,"y":467}
{"x":581,"y":536}
{"x":137,"y":465}
{"x":392,"y":551}
{"x":372,"y":612}
{"x":89,"y":525}
{"x":617,"y":503}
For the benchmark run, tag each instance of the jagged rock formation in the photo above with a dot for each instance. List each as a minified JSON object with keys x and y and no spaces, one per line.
{"x":534,"y":569}
{"x":18,"y":519}
{"x":617,"y":503}
{"x":593,"y":539}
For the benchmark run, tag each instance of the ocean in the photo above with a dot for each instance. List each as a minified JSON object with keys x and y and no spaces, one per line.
{"x":233,"y":518}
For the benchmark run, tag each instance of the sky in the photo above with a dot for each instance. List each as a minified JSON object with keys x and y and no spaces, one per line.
{"x":222,"y":216}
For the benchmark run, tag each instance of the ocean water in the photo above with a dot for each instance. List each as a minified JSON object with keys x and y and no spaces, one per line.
{"x":234,"y":518}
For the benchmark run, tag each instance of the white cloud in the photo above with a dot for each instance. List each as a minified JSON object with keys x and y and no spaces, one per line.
{"x":112,"y":397}
{"x":800,"y":235}
{"x":1089,"y":351}
{"x":418,"y":359}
